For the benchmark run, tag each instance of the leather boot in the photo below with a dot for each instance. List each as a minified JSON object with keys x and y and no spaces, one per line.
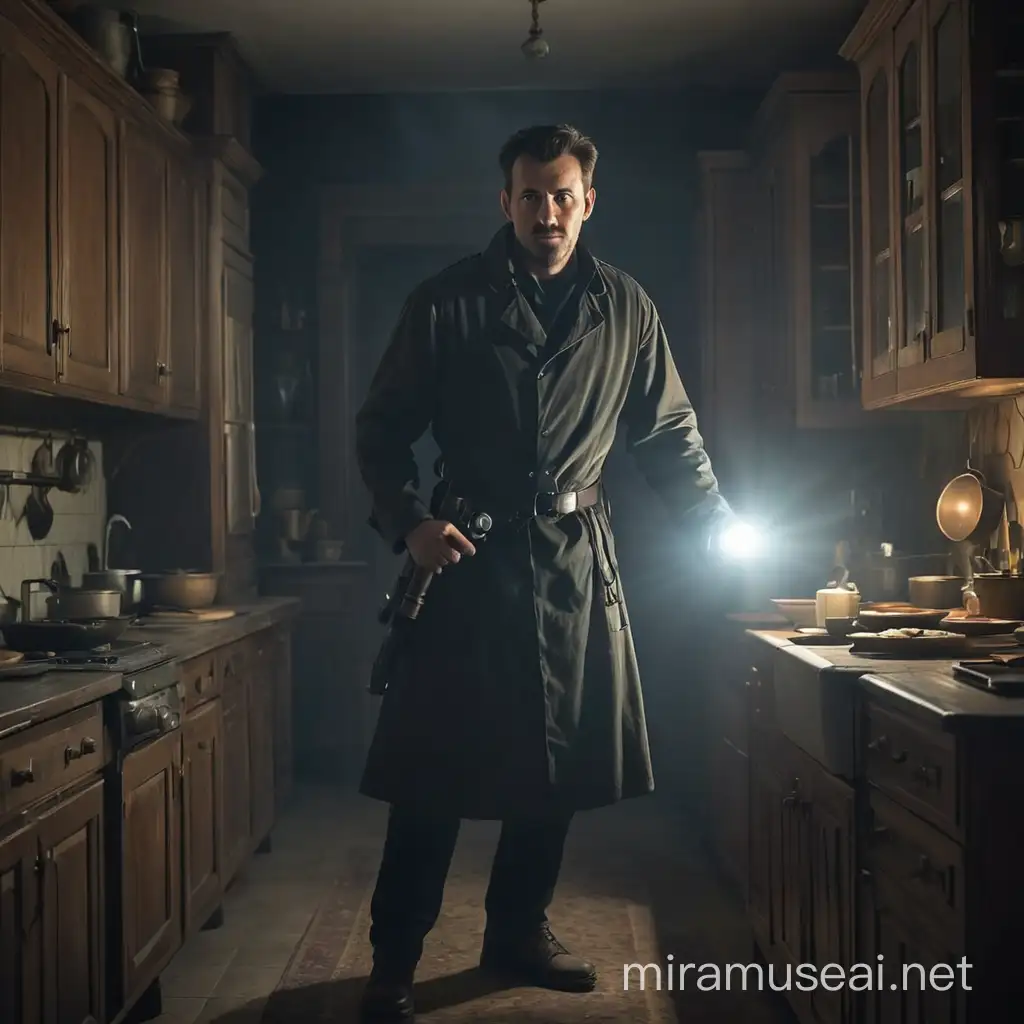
{"x":538,"y":958}
{"x":388,"y":995}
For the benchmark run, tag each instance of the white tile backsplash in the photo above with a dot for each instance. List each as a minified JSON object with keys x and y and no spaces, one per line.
{"x":78,"y":519}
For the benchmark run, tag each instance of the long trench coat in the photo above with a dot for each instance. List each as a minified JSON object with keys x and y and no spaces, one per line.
{"x":520,"y":692}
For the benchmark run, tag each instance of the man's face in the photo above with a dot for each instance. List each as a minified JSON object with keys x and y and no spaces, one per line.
{"x":547,"y":207}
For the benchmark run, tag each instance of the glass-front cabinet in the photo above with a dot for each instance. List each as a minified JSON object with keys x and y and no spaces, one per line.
{"x":805,"y":155}
{"x":942,"y":117}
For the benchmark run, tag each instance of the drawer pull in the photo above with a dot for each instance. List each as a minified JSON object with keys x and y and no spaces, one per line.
{"x":23,"y":776}
{"x":86,"y":747}
{"x":928,"y":775}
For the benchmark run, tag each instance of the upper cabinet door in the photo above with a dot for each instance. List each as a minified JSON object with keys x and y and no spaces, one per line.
{"x":185,"y":278}
{"x":89,"y":288}
{"x":952,"y":270}
{"x":912,"y":178}
{"x":143,"y":260}
{"x":877,"y":226}
{"x":28,"y":206}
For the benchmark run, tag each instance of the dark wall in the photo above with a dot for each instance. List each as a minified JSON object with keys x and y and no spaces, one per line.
{"x":643,"y":221}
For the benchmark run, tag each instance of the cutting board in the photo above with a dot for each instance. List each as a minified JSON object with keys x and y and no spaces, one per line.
{"x":185,"y":618}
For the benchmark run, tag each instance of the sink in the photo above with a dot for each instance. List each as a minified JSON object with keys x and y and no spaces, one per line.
{"x":815,"y":706}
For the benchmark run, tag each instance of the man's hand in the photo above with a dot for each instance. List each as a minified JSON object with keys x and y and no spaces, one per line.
{"x":436,"y":543}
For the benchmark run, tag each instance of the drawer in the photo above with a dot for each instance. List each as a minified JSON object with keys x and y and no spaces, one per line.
{"x":916,"y":766}
{"x":927,"y":866}
{"x":50,"y":757}
{"x":200,"y":679}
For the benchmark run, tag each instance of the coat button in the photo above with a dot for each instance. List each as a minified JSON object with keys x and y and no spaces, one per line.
{"x":532,"y":475}
{"x":545,"y":432}
{"x":541,"y":374}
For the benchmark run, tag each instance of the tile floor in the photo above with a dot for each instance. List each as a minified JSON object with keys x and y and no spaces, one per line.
{"x":228,"y":974}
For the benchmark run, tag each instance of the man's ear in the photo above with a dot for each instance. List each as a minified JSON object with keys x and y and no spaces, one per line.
{"x":588,"y":207}
{"x":506,"y":205}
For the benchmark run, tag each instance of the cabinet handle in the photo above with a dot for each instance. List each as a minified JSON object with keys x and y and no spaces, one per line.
{"x":163,"y":370}
{"x":88,"y":745}
{"x":927,"y":774}
{"x":203,"y":745}
{"x":22,"y":776}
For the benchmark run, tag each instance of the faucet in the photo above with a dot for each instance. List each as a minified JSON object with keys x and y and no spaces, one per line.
{"x":106,"y":538}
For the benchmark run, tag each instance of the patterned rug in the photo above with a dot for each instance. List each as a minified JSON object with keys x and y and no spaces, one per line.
{"x":598,"y":911}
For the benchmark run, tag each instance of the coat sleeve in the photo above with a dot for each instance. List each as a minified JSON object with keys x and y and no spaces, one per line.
{"x":662,"y":434}
{"x":395,"y":415}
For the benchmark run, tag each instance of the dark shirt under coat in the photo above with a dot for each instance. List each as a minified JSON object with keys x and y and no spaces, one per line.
{"x":521,"y":688}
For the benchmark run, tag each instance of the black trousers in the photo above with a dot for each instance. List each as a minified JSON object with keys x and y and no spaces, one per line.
{"x":414,"y":868}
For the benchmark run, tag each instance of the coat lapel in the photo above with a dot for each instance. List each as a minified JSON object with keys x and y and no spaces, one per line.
{"x":517,"y":314}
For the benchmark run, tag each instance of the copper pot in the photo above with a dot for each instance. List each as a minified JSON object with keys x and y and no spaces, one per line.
{"x":936,"y":591}
{"x":1000,"y":595}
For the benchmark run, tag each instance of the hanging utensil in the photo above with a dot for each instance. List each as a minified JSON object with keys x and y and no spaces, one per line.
{"x":37,"y":511}
{"x":968,"y":509}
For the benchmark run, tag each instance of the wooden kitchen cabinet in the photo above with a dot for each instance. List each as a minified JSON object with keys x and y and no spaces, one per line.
{"x":237,"y":771}
{"x":942,"y":172}
{"x":202,"y":814}
{"x":29,"y":147}
{"x":283,"y":726}
{"x":88,"y":357}
{"x":21,"y":928}
{"x":151,"y":868}
{"x":261,"y":736}
{"x":73,"y":909}
{"x":53,"y":915}
{"x":99,"y":230}
{"x":805,"y":155}
{"x":186,"y":267}
{"x":144,"y":260}
{"x":802,"y":848}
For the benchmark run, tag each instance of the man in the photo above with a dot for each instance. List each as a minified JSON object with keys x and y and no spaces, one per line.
{"x":520,"y":699}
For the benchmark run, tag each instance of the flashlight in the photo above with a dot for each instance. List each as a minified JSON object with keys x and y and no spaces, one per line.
{"x":740,"y":540}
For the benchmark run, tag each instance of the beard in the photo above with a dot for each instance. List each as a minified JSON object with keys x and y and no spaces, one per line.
{"x":548,"y":247}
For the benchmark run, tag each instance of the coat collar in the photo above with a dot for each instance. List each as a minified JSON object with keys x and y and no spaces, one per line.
{"x":501,"y":275}
{"x":501,"y":272}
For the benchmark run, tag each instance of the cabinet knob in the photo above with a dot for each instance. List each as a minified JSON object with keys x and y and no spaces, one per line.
{"x":88,"y":745}
{"x":22,"y":776}
{"x":163,"y":370}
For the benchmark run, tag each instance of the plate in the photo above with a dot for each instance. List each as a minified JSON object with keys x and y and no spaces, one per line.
{"x":909,"y":646}
{"x":923,"y":618}
{"x":979,"y":626}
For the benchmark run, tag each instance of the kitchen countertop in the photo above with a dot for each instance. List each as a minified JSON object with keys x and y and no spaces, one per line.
{"x":925,"y":685}
{"x":26,"y":702}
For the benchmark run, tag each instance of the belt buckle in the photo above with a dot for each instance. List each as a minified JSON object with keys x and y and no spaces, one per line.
{"x":556,"y":504}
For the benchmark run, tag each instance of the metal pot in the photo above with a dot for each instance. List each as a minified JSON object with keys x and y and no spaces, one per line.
{"x":968,"y":509}
{"x":184,"y":590}
{"x":1000,"y":595}
{"x":936,"y":591}
{"x":128,"y":582}
{"x":69,"y":605}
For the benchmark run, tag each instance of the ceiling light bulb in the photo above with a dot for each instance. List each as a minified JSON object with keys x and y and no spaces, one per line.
{"x":536,"y":47}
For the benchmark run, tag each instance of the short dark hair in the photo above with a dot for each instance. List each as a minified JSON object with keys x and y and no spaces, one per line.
{"x":547,"y":142}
